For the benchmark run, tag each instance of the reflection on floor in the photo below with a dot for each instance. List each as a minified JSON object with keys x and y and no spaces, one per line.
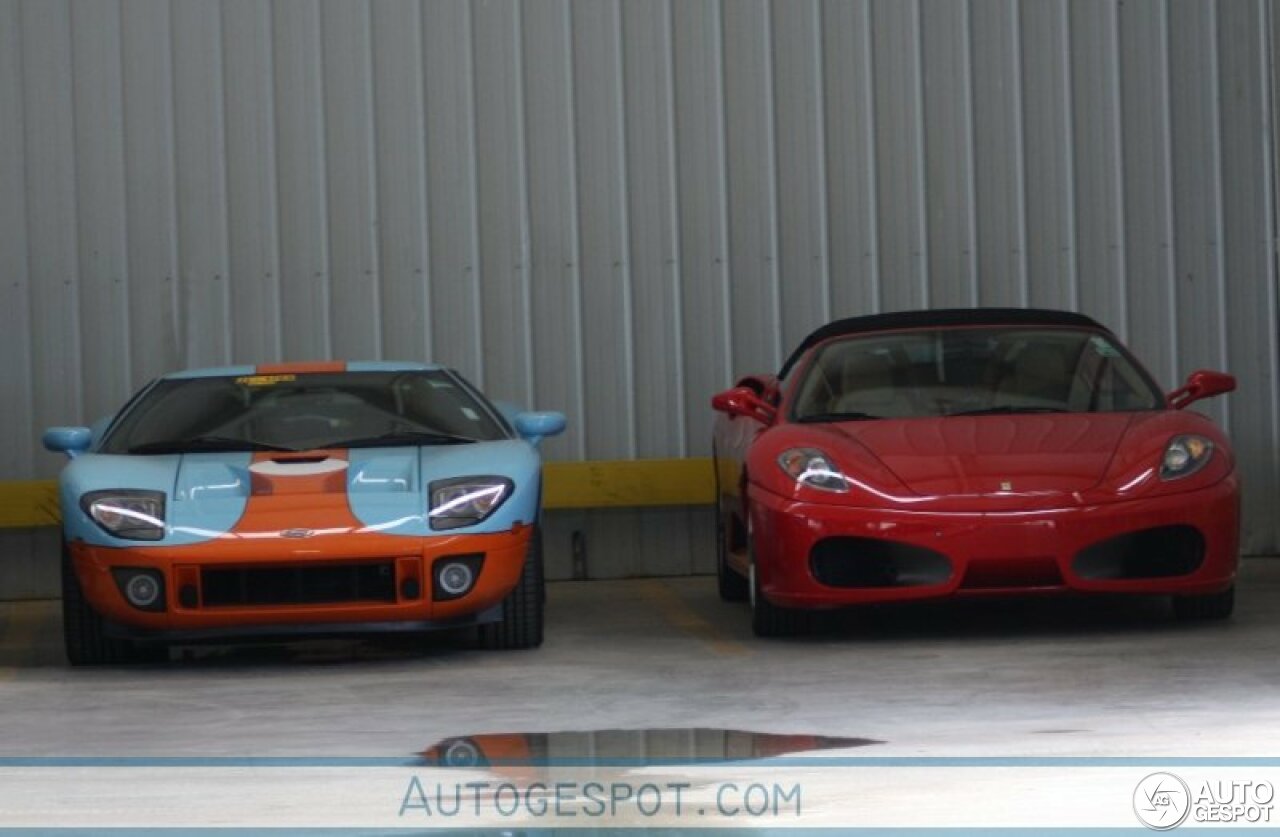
{"x":613,"y":746}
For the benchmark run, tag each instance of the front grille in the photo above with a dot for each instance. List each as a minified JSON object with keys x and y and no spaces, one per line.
{"x":1011,"y":574}
{"x":298,"y":585}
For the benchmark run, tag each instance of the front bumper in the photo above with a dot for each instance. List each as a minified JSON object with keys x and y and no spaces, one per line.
{"x":202,"y":600}
{"x":1005,"y":552}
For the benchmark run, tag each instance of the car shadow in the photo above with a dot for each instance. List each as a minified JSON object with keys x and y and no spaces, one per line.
{"x":31,"y":638}
{"x":1011,"y":619}
{"x":318,"y":652}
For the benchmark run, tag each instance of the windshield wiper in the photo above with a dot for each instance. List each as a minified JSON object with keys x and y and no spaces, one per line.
{"x":202,"y":444}
{"x":403,"y":437}
{"x":849,"y":416}
{"x":1007,"y":409}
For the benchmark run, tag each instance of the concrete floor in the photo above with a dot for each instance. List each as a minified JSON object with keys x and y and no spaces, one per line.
{"x":1079,"y":677}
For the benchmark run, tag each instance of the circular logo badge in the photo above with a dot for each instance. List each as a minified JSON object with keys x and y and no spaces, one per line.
{"x":1162,"y":801}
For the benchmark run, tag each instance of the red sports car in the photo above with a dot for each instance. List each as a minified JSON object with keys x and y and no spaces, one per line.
{"x":970,"y":452}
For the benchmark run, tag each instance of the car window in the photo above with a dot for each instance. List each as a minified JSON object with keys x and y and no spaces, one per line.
{"x":952,"y":371}
{"x":301,"y":412}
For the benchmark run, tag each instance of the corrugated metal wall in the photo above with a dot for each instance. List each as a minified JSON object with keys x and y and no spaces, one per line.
{"x":611,"y":208}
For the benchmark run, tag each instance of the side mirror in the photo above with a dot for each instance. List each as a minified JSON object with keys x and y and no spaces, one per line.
{"x":743,"y":401}
{"x":1203,"y":383}
{"x":72,"y":441}
{"x":534,"y":427}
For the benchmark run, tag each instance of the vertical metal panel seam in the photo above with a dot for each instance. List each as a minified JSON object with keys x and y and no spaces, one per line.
{"x":274,"y":284}
{"x":175,"y":237}
{"x":771,"y":155}
{"x":1020,"y":155}
{"x":323,"y":190}
{"x":873,"y":156}
{"x":1272,"y":292}
{"x":575,"y":232}
{"x":221,"y":80}
{"x":971,"y":175}
{"x":1219,"y":225}
{"x":1068,"y":158}
{"x":1122,"y":255}
{"x":522,"y":197}
{"x":922,"y":152}
{"x":624,"y":222}
{"x":722,"y":130}
{"x":424,"y":190}
{"x":126,"y":355}
{"x":820,"y":159}
{"x":21,"y":138}
{"x":1170,"y":221}
{"x":179,"y":314}
{"x":78,"y":274}
{"x":26,"y":218}
{"x":374,"y":265}
{"x":477,"y":266}
{"x":674,"y":218}
{"x":275,"y":177}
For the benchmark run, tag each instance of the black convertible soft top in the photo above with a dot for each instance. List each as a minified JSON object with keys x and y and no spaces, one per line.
{"x":941,"y":317}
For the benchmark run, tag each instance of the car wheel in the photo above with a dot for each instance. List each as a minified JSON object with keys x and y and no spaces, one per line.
{"x":1209,"y":606}
{"x":84,"y":633}
{"x":521,"y":623}
{"x":733,"y":587}
{"x":767,"y":619}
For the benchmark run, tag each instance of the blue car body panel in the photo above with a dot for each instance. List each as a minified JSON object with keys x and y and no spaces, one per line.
{"x":388,"y":488}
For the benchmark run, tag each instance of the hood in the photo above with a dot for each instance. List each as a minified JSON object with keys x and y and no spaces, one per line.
{"x":1048,"y":454}
{"x":215,"y":495}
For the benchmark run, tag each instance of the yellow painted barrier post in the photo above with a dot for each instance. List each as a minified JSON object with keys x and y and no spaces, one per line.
{"x":28,"y":503}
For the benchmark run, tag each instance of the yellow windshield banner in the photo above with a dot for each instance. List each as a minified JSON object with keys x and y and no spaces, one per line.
{"x":264,"y":380}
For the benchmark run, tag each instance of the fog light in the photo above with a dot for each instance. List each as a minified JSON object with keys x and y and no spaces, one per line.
{"x":455,"y":575}
{"x":144,"y":589}
{"x":455,"y":579}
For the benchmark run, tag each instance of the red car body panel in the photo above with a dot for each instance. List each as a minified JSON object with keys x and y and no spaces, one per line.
{"x":990,"y":552}
{"x":1010,"y":500}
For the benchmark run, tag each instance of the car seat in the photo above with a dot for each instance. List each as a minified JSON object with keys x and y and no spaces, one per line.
{"x":867,"y":385}
{"x":1037,"y":377}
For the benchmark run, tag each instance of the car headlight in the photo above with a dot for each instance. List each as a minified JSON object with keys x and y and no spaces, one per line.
{"x":465,"y":501}
{"x":1184,"y":456}
{"x":126,"y":513}
{"x":813,"y":468}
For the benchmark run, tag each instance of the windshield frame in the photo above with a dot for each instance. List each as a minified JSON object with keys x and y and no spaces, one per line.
{"x":799,"y":373}
{"x":501,"y":426}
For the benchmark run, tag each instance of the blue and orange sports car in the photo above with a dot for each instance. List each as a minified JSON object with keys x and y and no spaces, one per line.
{"x":970,"y":453}
{"x":297,"y":499}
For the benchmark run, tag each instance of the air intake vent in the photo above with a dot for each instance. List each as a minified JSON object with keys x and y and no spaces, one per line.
{"x":871,"y":562}
{"x":302,"y":585}
{"x":1161,"y":552}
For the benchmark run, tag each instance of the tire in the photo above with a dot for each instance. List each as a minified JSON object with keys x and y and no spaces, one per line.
{"x":84,"y":632}
{"x":522,"y":609}
{"x":732,"y":586}
{"x":1209,"y":607}
{"x":768,"y":619}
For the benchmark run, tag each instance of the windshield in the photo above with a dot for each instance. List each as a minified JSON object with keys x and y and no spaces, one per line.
{"x":970,"y":371}
{"x":303,"y":412}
